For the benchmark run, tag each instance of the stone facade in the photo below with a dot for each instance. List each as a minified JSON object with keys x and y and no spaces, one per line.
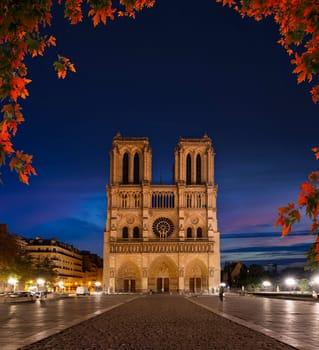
{"x":161,"y":238}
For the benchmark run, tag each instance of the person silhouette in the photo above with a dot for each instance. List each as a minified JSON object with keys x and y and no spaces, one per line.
{"x":221,"y":293}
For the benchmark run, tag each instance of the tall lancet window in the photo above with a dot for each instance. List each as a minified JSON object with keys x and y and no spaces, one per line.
{"x":198,"y":170}
{"x":125,"y":169}
{"x":188,"y":169}
{"x":136,"y":232}
{"x":136,"y":179}
{"x":125,"y":233}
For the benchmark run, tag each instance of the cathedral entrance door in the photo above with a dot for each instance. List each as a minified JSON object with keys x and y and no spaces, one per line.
{"x":163,"y":285}
{"x":195,"y":284}
{"x":166,"y":285}
{"x":133,"y":286}
{"x":126,"y":286}
{"x":191,"y":285}
{"x":198,"y":282}
{"x":129,"y":286}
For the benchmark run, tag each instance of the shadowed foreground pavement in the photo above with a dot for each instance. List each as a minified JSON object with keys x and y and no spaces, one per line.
{"x":158,"y":322}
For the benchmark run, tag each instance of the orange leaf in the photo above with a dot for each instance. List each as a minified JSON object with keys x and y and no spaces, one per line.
{"x":24,"y":178}
{"x":51,"y":41}
{"x":316,"y":150}
{"x":306,"y":187}
{"x":286,"y":230}
{"x":302,"y":200}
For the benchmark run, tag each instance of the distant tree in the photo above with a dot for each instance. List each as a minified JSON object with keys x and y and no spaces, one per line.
{"x":303,"y":285}
{"x":86,"y":263}
{"x":23,"y":267}
{"x":312,"y":264}
{"x":9,"y":251}
{"x":44,"y":269}
{"x":253,"y":276}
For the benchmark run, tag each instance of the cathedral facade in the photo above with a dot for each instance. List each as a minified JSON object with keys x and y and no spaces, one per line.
{"x":161,"y":238}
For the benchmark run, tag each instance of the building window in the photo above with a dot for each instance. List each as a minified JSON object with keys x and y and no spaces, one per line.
{"x":198,"y":170}
{"x":136,"y":232}
{"x":163,"y":200}
{"x":124,"y":200}
{"x":125,"y":233}
{"x":125,"y":169}
{"x":188,"y":200}
{"x":198,"y":200}
{"x":199,"y":232}
{"x":136,"y":178}
{"x":188,"y":170}
{"x":189,"y":232}
{"x":136,"y":197}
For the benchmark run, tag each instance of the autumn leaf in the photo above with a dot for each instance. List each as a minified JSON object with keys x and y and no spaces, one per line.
{"x":302,"y":200}
{"x":316,"y":150}
{"x":286,"y":230}
{"x":24,"y":178}
{"x":102,"y":14}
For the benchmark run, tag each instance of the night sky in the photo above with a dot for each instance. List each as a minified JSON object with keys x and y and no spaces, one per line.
{"x":179,"y":69}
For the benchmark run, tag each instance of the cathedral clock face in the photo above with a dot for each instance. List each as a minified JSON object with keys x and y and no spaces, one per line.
{"x":163,"y":227}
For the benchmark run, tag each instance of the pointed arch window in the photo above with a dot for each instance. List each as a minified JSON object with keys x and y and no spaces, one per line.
{"x":136,"y":174}
{"x":189,"y":232}
{"x":188,"y":170}
{"x":198,"y":169}
{"x":125,"y":233}
{"x":199,"y":232}
{"x":136,"y":232}
{"x":125,"y":169}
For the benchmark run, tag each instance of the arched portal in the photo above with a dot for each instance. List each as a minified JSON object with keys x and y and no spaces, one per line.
{"x":163,"y":275}
{"x":128,"y":279}
{"x":196,"y":276}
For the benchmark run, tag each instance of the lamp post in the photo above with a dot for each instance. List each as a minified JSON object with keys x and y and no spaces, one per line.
{"x":315,"y":284}
{"x":316,"y":280}
{"x":290,"y":282}
{"x":12,"y":281}
{"x":61,"y":285}
{"x":266,"y":285}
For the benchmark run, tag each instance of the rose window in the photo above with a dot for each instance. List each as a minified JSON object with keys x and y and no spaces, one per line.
{"x":163,"y":227}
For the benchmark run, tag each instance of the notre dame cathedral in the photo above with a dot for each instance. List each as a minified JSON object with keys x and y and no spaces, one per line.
{"x":161,"y":238}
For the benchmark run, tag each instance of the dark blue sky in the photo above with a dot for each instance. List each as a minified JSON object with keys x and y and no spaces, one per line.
{"x":176,"y":70}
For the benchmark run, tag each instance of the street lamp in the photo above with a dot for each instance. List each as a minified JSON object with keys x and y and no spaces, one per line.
{"x":315,"y":284}
{"x":13,"y":282}
{"x":97,"y":286}
{"x":290,"y":282}
{"x":61,"y":285}
{"x":266,"y":284}
{"x":40,"y":282}
{"x":315,"y":280}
